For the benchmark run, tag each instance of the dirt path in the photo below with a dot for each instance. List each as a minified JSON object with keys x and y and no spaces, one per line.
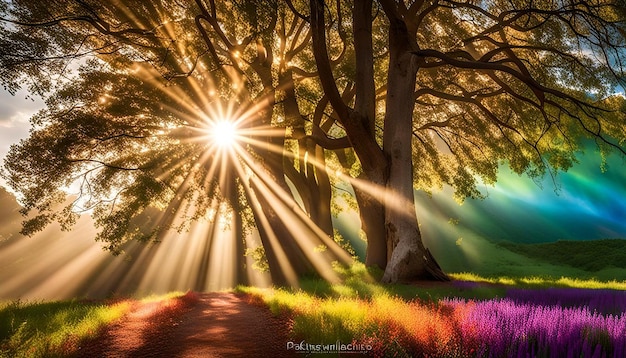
{"x":201,"y":325}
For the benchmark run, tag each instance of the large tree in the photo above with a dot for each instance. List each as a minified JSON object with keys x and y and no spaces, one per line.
{"x":131,"y":132}
{"x":396,"y":95}
{"x":467,"y":85}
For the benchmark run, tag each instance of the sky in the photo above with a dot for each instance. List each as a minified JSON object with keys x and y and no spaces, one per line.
{"x":14,"y":114}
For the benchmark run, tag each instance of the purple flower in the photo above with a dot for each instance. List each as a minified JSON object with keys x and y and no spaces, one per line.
{"x":552,"y":323}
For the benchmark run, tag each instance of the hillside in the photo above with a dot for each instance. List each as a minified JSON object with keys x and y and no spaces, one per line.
{"x":592,"y":256}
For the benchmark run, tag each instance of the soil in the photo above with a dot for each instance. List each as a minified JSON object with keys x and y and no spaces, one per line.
{"x":195,"y":325}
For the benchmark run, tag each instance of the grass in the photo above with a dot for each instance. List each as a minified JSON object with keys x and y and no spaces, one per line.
{"x":601,"y":260}
{"x":359,"y":281}
{"x":361,"y":310}
{"x":542,"y":282}
{"x":372,"y":321}
{"x":54,"y":329}
{"x":489,"y":259}
{"x":404,"y":320}
{"x":389,"y":324}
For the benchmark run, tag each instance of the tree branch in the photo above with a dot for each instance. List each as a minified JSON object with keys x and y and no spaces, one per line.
{"x":322,"y":60}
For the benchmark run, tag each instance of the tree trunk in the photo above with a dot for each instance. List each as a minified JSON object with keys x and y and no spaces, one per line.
{"x":371,"y":208}
{"x":409,"y":258}
{"x":320,"y":183}
{"x":372,"y":214}
{"x":275,"y":257}
{"x":241,"y":272}
{"x":311,"y":182}
{"x":286,"y":260}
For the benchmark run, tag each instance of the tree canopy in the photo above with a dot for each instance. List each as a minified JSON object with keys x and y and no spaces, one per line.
{"x":386,"y":96}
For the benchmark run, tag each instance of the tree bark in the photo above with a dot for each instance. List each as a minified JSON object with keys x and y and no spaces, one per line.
{"x":389,"y":170}
{"x":371,"y":208}
{"x":372,"y":214}
{"x":274,"y":257}
{"x":408,"y":259}
{"x":311,"y":182}
{"x":241,"y":272}
{"x":319,"y":180}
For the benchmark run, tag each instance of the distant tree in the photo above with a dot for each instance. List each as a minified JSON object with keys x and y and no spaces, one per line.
{"x":393,"y":95}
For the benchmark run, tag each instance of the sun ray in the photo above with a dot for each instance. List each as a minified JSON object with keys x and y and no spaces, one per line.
{"x":382,"y":194}
{"x":298,"y":223}
{"x":274,"y":243}
{"x":302,"y":233}
{"x":282,"y":259}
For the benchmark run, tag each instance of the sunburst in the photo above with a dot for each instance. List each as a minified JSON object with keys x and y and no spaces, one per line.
{"x":224,"y":133}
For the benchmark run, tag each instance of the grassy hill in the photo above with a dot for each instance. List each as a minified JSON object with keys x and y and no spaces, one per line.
{"x":603,"y":260}
{"x":599,"y":256}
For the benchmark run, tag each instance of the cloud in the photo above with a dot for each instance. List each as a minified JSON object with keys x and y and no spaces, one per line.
{"x":15,"y":112}
{"x":17,"y":108}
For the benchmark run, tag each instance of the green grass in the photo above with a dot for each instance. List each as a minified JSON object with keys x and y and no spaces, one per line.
{"x":542,"y":282}
{"x":592,"y":256}
{"x":361,"y":310}
{"x":344,"y":319}
{"x":389,"y":318}
{"x":52,"y":328}
{"x":359,"y":281}
{"x":601,"y":260}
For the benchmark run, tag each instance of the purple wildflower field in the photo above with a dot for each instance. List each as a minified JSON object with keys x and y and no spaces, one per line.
{"x":553,"y":322}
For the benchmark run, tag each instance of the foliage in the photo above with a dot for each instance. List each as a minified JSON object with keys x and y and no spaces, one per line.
{"x":130,"y":106}
{"x":258,"y":256}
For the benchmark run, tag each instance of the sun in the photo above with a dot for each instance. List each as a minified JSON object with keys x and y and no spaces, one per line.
{"x":224,"y":133}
